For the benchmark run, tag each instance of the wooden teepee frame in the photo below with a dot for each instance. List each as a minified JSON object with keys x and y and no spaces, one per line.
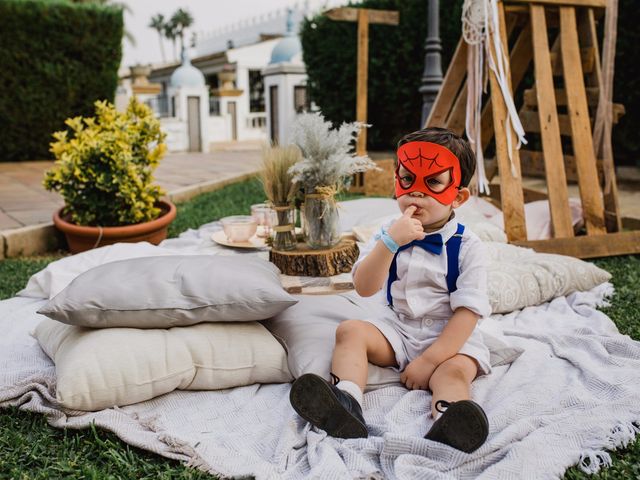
{"x":574,"y":59}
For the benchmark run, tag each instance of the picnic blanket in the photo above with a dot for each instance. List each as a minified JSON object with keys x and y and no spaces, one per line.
{"x":573,"y":393}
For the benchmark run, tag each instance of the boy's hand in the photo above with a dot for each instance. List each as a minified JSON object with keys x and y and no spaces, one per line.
{"x":407,"y":229}
{"x":418,"y":373}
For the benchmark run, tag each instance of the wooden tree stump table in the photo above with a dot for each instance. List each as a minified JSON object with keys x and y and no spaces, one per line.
{"x":307,"y":262}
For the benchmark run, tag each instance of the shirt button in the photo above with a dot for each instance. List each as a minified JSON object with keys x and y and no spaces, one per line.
{"x":427,"y":322}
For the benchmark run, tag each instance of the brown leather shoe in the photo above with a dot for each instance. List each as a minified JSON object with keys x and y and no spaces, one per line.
{"x":463,"y":425}
{"x":327,"y":407}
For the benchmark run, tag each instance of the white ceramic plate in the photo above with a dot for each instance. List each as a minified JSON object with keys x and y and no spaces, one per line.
{"x":254,"y":242}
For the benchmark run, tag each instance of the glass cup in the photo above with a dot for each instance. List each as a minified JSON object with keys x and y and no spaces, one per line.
{"x":238,"y":228}
{"x":265,"y":217}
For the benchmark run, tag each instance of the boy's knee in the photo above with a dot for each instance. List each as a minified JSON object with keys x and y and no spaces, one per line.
{"x":349,"y":329}
{"x":451,"y":370}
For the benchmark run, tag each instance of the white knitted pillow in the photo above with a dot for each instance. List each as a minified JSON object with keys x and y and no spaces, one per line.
{"x":102,"y":368}
{"x":520,"y":277}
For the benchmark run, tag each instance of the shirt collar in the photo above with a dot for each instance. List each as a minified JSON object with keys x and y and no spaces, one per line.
{"x":448,"y":229}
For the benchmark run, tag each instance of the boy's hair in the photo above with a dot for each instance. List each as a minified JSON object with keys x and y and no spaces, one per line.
{"x":458,"y":146}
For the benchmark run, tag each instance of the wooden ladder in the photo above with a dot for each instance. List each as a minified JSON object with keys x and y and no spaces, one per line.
{"x":559,"y":38}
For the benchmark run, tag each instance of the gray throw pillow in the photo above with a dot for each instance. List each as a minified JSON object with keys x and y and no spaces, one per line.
{"x":307,"y":331}
{"x":171,"y":291}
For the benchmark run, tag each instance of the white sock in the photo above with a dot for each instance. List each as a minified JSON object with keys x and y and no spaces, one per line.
{"x":439,"y":414}
{"x":352,"y":389}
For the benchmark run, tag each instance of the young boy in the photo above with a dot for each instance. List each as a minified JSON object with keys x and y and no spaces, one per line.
{"x":430,"y":271}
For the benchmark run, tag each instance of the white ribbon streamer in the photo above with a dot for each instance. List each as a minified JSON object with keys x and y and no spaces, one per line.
{"x":480,"y":23}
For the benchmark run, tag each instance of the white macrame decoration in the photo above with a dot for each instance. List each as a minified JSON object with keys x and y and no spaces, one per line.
{"x":603,"y":120}
{"x":479,"y":27}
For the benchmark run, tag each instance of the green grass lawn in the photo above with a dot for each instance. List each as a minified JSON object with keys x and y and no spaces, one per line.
{"x":30,"y":449}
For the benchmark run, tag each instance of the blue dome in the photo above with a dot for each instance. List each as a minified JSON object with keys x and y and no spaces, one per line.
{"x":187,"y":75}
{"x":288,"y":49}
{"x":285,"y":50}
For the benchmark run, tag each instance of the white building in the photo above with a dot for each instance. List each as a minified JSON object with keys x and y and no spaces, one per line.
{"x":285,"y":82}
{"x":188,"y":127}
{"x":245,"y":69}
{"x":231,"y":62}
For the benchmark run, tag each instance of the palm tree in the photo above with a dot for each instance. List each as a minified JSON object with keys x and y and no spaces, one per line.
{"x":171,"y":32}
{"x":183,"y":20}
{"x":157,"y":23}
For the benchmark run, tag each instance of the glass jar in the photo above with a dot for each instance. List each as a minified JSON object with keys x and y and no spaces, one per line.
{"x":265,"y":218}
{"x":284,"y":238}
{"x":321,"y":221}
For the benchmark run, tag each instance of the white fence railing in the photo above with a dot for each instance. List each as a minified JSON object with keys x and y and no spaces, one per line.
{"x":257,"y":120}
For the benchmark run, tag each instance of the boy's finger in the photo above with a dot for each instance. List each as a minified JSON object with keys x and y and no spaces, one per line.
{"x":408,"y":213}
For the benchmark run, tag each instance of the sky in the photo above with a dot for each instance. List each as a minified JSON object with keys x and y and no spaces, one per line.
{"x":208,"y":15}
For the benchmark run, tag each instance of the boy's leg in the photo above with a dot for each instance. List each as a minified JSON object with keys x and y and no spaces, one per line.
{"x":337,"y":408}
{"x":451,"y":381}
{"x":460,"y":422}
{"x":359,"y":342}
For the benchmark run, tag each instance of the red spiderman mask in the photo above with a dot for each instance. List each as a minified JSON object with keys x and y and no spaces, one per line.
{"x":425,"y":161}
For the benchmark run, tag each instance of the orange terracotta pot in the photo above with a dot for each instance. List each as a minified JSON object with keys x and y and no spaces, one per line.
{"x":81,"y":238}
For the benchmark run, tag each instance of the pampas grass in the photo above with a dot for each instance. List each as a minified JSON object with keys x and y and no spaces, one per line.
{"x":328,"y":159}
{"x":279,"y":185}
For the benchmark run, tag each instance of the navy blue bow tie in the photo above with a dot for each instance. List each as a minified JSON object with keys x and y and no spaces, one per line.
{"x":430,"y":243}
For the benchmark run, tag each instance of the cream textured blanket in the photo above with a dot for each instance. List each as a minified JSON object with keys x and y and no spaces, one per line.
{"x":574,"y":393}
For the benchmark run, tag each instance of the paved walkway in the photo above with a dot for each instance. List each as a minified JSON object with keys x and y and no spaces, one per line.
{"x":26,"y":208}
{"x":25,"y":202}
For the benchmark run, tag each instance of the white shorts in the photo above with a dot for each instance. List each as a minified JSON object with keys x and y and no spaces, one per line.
{"x":410,"y":337}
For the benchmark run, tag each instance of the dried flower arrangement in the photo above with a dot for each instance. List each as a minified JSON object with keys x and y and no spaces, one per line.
{"x":276,"y":178}
{"x":328,"y":164}
{"x":280,"y":189}
{"x":327,"y":158}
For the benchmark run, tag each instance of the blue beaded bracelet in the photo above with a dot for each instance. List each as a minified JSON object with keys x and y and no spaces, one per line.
{"x":389,"y":242}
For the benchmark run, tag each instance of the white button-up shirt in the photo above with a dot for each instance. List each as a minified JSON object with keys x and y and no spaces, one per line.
{"x":421,"y":291}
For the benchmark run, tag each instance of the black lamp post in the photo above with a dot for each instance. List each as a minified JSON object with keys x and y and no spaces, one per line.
{"x":432,"y":75}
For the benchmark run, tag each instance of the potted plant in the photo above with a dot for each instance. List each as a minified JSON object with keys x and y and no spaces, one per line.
{"x":103,"y":170}
{"x":328,"y":164}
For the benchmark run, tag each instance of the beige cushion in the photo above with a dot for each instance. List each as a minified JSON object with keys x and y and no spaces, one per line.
{"x":102,"y":368}
{"x":171,"y":291}
{"x":519,"y":277}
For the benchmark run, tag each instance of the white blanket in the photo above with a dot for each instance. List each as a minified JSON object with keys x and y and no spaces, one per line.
{"x":573,"y":393}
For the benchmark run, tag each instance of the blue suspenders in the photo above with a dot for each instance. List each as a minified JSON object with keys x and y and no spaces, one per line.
{"x":453,"y":252}
{"x":453,"y":265}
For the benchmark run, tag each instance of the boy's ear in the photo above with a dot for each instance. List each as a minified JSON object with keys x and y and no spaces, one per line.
{"x":463,"y":195}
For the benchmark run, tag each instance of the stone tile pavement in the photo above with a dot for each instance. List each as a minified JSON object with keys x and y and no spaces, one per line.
{"x":26,"y":208}
{"x":25,"y":202}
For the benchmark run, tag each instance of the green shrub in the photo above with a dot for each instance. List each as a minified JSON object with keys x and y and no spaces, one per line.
{"x":104,"y":171}
{"x":57,"y":59}
{"x":396,"y":63}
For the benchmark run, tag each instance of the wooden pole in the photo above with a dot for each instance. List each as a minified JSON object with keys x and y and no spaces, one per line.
{"x":363,"y":74}
{"x":364,"y":17}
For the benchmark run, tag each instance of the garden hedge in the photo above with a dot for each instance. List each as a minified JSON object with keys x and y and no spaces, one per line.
{"x":396,"y":63}
{"x":57,"y":59}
